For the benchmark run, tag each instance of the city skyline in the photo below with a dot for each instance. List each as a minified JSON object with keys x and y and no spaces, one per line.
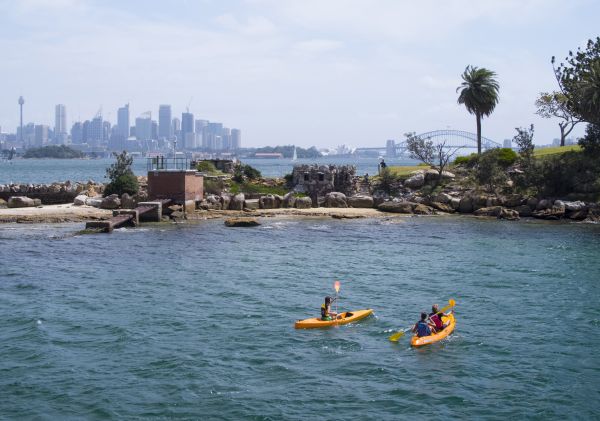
{"x":305,"y":73}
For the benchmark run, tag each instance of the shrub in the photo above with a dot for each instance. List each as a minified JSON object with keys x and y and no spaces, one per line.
{"x":251,"y":172}
{"x":387,"y":180}
{"x":469,"y":161}
{"x":206,"y":167}
{"x":126,"y":183}
{"x":591,"y":141}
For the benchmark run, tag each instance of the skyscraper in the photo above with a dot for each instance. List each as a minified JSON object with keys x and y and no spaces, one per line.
{"x":236,"y":139}
{"x":164,"y":122}
{"x":123,"y":121}
{"x":143,"y":127}
{"x":60,"y":124}
{"x":21,"y":102}
{"x":95,"y":134}
{"x":41,"y":135}
{"x":187,"y":130}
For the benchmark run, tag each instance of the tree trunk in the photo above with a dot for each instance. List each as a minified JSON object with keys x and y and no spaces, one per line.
{"x":562,"y":134}
{"x":478,"y":117}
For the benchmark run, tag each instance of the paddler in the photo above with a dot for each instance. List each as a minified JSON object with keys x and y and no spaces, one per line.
{"x":422,"y":328}
{"x":436,"y":318}
{"x":326,"y":313}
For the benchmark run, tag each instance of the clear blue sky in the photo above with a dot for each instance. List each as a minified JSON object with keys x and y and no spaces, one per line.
{"x":306,"y":72}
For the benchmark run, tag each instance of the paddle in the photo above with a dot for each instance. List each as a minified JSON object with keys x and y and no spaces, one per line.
{"x":336,"y":285}
{"x":398,"y":335}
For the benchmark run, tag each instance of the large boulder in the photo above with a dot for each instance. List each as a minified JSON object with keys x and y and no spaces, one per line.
{"x":415,"y":181}
{"x":543,"y":204}
{"x":303,"y":203}
{"x":80,"y":200}
{"x":397,"y":207}
{"x":127,"y":201}
{"x":491,"y":211}
{"x":289,"y":200}
{"x":241,"y":222}
{"x":251,"y":204}
{"x":512,"y":200}
{"x":94,"y":201}
{"x":432,"y":175}
{"x":465,"y":205}
{"x":479,"y":201}
{"x":237,"y":203}
{"x":336,"y":200}
{"x":421,"y":209}
{"x":524,"y":210}
{"x":579,"y":215}
{"x":268,"y":202}
{"x":360,"y":201}
{"x":21,"y":202}
{"x":574,"y":206}
{"x":3,"y":204}
{"x":508,"y":214}
{"x":442,"y":198}
{"x":532,"y":202}
{"x":225,"y":201}
{"x":455,"y":203}
{"x":444,"y":207}
{"x":110,"y":202}
{"x":553,"y":213}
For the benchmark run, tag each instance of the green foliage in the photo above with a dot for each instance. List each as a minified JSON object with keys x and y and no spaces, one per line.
{"x":479,"y":94}
{"x":289,"y":180}
{"x":387,"y":180}
{"x":207,"y":167}
{"x":524,"y":140}
{"x":122,"y":166}
{"x":425,"y":151}
{"x":555,"y":105}
{"x":241,"y":172}
{"x":251,"y":173}
{"x":571,"y":172}
{"x":53,"y":151}
{"x":469,"y":161}
{"x":579,"y":80}
{"x":250,"y":188}
{"x":490,"y":170}
{"x":213,"y":186}
{"x":591,"y":141}
{"x":126,"y":183}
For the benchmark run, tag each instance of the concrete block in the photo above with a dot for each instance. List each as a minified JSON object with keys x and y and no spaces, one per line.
{"x":251,"y":204}
{"x":190,"y":206}
{"x":133,"y":212}
{"x":153,"y":215}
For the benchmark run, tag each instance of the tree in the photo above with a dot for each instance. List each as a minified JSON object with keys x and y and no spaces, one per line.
{"x":524,"y":140}
{"x":479,"y":94}
{"x":554,"y":104}
{"x":427,"y":152}
{"x":591,"y":141}
{"x":122,"y":179}
{"x":579,"y":80}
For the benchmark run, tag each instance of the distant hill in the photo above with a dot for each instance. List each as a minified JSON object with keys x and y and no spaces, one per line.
{"x":288,"y":151}
{"x":53,"y":151}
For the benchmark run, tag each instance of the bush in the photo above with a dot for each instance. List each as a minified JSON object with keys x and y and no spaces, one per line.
{"x":387,"y":180}
{"x":126,"y":183}
{"x":206,"y":167}
{"x":490,"y":170}
{"x":571,"y":172}
{"x":591,"y":141}
{"x":251,"y":172}
{"x":469,"y":161}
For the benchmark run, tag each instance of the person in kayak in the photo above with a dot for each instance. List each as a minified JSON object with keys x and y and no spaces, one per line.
{"x":422,"y":328}
{"x":326,"y":313}
{"x":436,"y":318}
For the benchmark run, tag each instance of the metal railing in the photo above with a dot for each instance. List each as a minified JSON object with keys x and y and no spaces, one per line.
{"x":162,"y":163}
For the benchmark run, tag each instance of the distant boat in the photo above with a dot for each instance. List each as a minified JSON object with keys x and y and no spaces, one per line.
{"x":294,"y":156}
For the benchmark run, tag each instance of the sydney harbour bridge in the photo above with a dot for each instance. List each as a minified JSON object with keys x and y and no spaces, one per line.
{"x":452,"y":139}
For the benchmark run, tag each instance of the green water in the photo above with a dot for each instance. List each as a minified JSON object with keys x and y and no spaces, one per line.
{"x":195,"y":321}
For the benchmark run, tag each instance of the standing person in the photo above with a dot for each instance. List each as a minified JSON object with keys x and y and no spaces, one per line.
{"x":326,"y":313}
{"x":382,"y":166}
{"x":422,"y":328}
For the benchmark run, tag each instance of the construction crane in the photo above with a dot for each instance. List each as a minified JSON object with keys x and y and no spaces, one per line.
{"x":187,"y":108}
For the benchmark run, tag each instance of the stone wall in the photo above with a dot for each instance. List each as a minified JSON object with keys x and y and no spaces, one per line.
{"x":51,"y":194}
{"x":319,"y":180}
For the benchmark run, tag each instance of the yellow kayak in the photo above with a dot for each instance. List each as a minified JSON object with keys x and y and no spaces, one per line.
{"x":342,"y":319}
{"x":426,"y":340}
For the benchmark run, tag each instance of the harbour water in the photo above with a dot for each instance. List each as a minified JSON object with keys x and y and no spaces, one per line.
{"x":195,"y":320}
{"x":58,"y":170}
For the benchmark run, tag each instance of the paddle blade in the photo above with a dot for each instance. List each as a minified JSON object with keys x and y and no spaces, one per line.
{"x":452,"y":302}
{"x":337,"y":285}
{"x":396,"y":336}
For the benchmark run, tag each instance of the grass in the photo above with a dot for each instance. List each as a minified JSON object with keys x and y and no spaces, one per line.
{"x":537,"y":152}
{"x":257,"y":188}
{"x":406,"y":170}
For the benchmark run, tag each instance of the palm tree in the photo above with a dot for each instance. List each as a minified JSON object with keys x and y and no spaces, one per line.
{"x":479,"y":93}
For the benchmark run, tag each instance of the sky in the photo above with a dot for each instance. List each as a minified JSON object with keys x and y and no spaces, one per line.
{"x":306,"y":72}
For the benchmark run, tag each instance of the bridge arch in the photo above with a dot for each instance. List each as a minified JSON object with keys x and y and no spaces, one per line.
{"x":453,"y":139}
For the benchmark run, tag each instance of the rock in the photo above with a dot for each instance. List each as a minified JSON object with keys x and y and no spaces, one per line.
{"x":421,"y":209}
{"x":3,"y":204}
{"x":225,"y":201}
{"x":251,"y":204}
{"x":492,"y":201}
{"x":479,"y":201}
{"x":416,"y":181}
{"x":444,"y":207}
{"x":80,"y":200}
{"x":508,"y":214}
{"x":289,"y":200}
{"x":344,"y":216}
{"x":127,"y":202}
{"x":336,"y":200}
{"x":397,"y":207}
{"x":278,"y":201}
{"x":442,"y":198}
{"x":110,"y":202}
{"x":532,"y":202}
{"x":559,"y":204}
{"x":94,"y":201}
{"x":20,"y":202}
{"x":543,"y":204}
{"x":579,"y":215}
{"x":360,"y":201}
{"x":491,"y":211}
{"x":213,"y":201}
{"x":512,"y":200}
{"x":455,"y":203}
{"x":465,"y":205}
{"x":432,"y":175}
{"x":303,"y":203}
{"x":237,"y":203}
{"x":552,"y":213}
{"x":574,"y":206}
{"x":241,"y":222}
{"x":524,"y":210}
{"x":267,"y":202}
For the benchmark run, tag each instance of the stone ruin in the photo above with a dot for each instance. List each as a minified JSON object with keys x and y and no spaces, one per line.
{"x":318,"y":180}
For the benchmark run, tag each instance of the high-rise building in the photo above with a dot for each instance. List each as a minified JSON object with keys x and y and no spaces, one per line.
{"x":226,"y":139}
{"x":95,"y":134}
{"x":143,"y":127}
{"x":41,"y":135}
{"x":123,"y":121}
{"x":60,"y":124}
{"x":187,"y":130}
{"x":77,"y":133}
{"x":390,"y":148}
{"x":236,"y":139}
{"x":164,"y":122}
{"x":507,"y":143}
{"x":21,"y":102}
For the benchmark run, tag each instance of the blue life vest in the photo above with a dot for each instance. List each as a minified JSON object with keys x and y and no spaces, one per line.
{"x":423,"y":329}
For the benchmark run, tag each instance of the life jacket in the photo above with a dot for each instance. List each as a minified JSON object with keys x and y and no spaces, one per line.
{"x":324,"y":312}
{"x":437,"y":320}
{"x":423,"y":329}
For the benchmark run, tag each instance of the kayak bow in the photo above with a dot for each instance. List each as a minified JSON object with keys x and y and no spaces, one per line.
{"x":343,"y":318}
